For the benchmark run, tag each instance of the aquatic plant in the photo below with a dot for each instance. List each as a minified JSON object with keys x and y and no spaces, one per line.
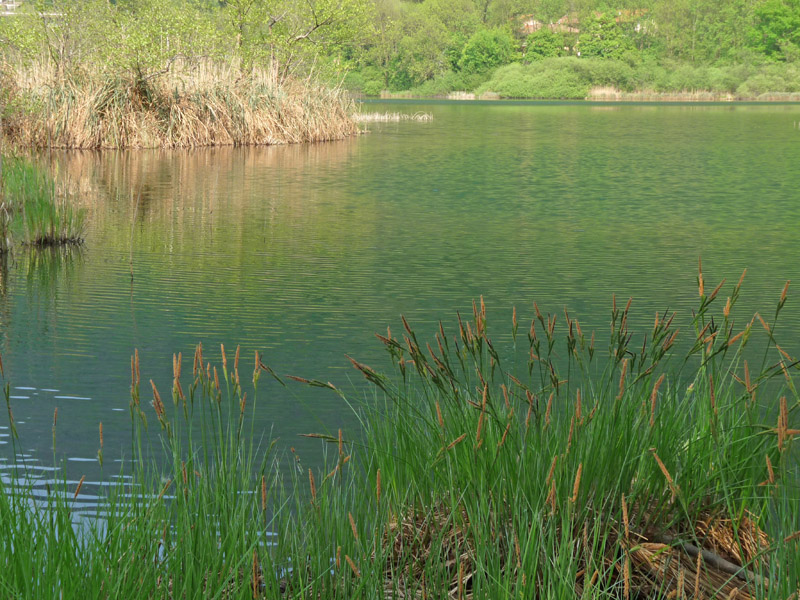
{"x":545,"y":467}
{"x":33,"y":211}
{"x":202,"y":106}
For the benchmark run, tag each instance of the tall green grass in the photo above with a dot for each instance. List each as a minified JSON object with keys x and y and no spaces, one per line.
{"x":33,"y":211}
{"x":552,"y":466}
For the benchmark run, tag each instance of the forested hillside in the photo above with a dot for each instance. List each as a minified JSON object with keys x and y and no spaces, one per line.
{"x":510,"y":48}
{"x":744,"y":47}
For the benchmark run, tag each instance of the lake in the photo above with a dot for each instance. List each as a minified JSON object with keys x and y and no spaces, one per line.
{"x":304,"y":252}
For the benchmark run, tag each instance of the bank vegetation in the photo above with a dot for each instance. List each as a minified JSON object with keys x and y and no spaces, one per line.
{"x":553,"y":465}
{"x":146,"y":74}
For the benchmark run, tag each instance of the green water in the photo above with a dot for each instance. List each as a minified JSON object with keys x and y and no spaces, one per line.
{"x":304,"y":252}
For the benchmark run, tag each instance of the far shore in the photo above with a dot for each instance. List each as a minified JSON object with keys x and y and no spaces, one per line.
{"x":610,"y":95}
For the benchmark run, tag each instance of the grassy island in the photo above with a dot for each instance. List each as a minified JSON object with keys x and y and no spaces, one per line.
{"x":555,"y":465}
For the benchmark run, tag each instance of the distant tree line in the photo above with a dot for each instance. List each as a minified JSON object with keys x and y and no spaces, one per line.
{"x":427,"y":46}
{"x":436,"y":45}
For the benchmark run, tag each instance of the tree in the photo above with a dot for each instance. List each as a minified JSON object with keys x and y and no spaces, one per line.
{"x":776,"y":31}
{"x":544,"y":43}
{"x":486,"y":49}
{"x":602,"y":37}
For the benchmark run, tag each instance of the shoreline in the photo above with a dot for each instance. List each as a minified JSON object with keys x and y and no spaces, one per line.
{"x":620,"y":98}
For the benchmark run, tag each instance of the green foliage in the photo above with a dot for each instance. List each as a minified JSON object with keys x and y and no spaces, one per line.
{"x":418,"y":44}
{"x":571,"y":77}
{"x":421,"y":52}
{"x":776,"y":31}
{"x":487,"y":49}
{"x":449,"y":82}
{"x":373,"y":87}
{"x":549,"y":78}
{"x":31,"y":209}
{"x":544,"y":43}
{"x":577,"y":455}
{"x":602,"y":37}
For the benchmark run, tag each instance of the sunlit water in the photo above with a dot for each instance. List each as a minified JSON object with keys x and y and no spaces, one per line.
{"x":304,"y":252}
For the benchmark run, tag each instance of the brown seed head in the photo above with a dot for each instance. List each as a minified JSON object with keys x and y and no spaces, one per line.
{"x":263,"y":493}
{"x":697,"y":571}
{"x":78,"y":489}
{"x":673,"y":487}
{"x":700,"y":276}
{"x":312,"y":485}
{"x":625,"y":520}
{"x":353,"y":567}
{"x":552,"y":470}
{"x":577,"y":484}
{"x":770,"y":471}
{"x":548,"y":409}
{"x":456,"y":441}
{"x":353,"y":525}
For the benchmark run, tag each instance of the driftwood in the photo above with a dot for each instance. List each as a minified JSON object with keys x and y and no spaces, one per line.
{"x":713,"y":560}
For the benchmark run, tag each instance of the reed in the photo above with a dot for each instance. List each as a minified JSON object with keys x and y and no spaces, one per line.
{"x":543,"y":468}
{"x":206,"y":105}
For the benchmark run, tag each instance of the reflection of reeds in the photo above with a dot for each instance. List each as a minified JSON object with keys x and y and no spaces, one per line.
{"x":186,"y":108}
{"x":48,"y":268}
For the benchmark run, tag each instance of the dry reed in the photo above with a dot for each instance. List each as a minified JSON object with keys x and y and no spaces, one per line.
{"x":189,"y":107}
{"x":389,"y":117}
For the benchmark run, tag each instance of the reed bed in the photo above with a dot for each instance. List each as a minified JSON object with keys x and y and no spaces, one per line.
{"x":390,"y":117}
{"x":186,"y":108}
{"x":547,"y":467}
{"x":604,"y":93}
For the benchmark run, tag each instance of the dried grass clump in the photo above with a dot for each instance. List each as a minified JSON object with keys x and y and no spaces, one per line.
{"x":388,"y":117}
{"x":720,"y":567}
{"x":185,"y":109}
{"x":613,"y":94}
{"x":427,"y":540}
{"x":437,"y":541}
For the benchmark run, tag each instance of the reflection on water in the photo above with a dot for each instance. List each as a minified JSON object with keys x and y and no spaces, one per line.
{"x":303,"y":252}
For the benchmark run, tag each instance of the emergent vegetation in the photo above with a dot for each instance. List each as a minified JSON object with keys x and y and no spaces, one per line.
{"x":551,"y":468}
{"x":146,"y":73}
{"x":33,"y":210}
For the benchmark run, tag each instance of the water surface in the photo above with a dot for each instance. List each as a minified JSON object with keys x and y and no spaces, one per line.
{"x":304,"y":252}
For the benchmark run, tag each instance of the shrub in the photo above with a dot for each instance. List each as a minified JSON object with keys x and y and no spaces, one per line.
{"x":551,"y":78}
{"x":373,"y":87}
{"x":486,"y":49}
